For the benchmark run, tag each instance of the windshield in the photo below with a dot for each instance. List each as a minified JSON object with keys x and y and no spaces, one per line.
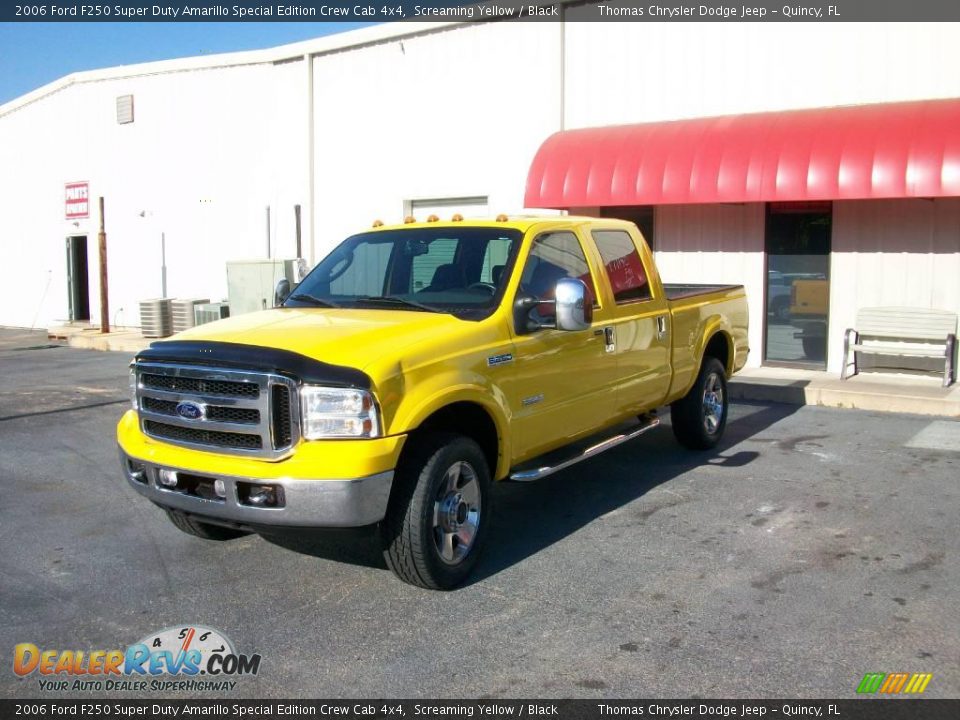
{"x":458,"y":270}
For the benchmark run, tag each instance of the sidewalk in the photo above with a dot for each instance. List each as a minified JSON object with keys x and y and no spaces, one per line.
{"x":916,"y":394}
{"x":902,"y":393}
{"x":128,"y":340}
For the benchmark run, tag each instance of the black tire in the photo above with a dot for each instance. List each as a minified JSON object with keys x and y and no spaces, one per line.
{"x":441,"y":497}
{"x":694,"y":417}
{"x":203,"y":530}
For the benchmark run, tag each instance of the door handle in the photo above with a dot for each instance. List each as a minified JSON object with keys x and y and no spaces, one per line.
{"x":609,"y":339}
{"x":661,"y":326}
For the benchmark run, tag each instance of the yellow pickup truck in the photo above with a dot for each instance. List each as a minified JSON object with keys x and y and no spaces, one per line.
{"x":415,"y":365}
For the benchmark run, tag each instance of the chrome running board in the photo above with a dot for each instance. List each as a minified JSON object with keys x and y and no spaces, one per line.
{"x":563,"y":458}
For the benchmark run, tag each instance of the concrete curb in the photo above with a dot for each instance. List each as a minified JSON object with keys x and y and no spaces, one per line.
{"x":910,"y":395}
{"x":86,"y":338}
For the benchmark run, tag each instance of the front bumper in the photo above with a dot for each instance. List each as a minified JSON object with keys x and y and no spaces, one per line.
{"x":306,"y":503}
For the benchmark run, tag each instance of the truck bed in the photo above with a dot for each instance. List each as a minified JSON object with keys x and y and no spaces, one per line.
{"x":696,"y":310}
{"x":680,"y":291}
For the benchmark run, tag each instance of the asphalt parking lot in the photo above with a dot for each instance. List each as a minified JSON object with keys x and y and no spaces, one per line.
{"x":812,"y":547}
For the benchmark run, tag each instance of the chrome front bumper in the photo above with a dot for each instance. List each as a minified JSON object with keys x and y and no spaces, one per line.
{"x":307,"y":503}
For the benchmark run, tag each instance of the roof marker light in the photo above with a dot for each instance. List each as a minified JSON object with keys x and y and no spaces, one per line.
{"x":502,"y":218}
{"x":409,"y":219}
{"x":457,"y":218}
{"x":433,"y":218}
{"x":378,"y":223}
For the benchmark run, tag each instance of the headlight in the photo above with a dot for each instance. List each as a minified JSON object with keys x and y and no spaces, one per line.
{"x":337,"y":413}
{"x":133,"y":386}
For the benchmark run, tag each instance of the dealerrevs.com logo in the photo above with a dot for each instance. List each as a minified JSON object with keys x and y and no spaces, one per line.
{"x":189,"y":657}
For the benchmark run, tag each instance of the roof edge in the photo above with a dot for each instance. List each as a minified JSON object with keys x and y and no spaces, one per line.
{"x":292,"y":51}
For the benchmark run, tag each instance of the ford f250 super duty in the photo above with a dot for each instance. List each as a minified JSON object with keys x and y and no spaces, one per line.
{"x":415,"y":365}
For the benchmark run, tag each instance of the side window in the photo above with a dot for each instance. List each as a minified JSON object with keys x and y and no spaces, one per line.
{"x":553,"y":256}
{"x":440,"y":254}
{"x":625,"y":270}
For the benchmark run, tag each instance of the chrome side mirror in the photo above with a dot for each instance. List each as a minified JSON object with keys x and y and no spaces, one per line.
{"x":574,"y":310}
{"x":281,"y":292}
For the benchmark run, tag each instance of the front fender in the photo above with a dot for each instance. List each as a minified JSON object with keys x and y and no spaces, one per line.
{"x":439,"y":391}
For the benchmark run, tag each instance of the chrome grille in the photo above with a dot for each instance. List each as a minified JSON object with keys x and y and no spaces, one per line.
{"x":241,"y":416}
{"x":196,"y":436}
{"x":238,"y":412}
{"x":200,"y":386}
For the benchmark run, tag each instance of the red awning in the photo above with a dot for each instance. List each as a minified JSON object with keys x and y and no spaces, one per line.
{"x":895,"y":150}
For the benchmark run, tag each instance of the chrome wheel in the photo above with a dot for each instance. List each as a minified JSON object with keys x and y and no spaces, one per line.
{"x":456,"y":513}
{"x":712,"y":403}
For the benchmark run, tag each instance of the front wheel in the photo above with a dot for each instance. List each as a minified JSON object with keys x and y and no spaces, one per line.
{"x":700,"y":417}
{"x":438,"y":513}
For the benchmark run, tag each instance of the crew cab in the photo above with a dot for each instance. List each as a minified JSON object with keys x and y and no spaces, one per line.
{"x":416,"y":365}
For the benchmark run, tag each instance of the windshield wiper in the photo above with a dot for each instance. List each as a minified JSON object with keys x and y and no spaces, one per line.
{"x":304,"y":297}
{"x":395,"y":300}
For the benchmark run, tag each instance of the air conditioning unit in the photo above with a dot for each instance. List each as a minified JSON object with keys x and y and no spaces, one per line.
{"x":251,"y":283}
{"x":182,"y":312}
{"x":210,"y":312}
{"x":155,"y":318}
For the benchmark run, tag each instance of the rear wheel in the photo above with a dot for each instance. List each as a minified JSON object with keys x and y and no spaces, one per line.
{"x":207,"y":531}
{"x":438,"y":512}
{"x":699,"y":418}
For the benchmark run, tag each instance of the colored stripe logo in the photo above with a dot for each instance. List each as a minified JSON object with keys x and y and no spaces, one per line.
{"x":894,"y":683}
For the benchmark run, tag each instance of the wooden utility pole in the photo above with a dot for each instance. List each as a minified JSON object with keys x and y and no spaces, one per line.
{"x":104,"y":302}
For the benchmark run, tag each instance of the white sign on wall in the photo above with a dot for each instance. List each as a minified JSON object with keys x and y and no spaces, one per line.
{"x":77,"y":200}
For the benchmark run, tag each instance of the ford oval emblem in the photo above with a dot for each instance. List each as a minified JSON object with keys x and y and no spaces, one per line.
{"x":190,"y":410}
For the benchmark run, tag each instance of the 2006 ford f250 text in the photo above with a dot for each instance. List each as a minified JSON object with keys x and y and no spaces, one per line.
{"x":415,"y":365}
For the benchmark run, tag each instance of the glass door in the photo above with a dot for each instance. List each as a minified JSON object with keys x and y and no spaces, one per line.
{"x":798,"y":284}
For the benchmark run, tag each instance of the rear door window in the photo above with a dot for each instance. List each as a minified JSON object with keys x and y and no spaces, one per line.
{"x":623,"y":265}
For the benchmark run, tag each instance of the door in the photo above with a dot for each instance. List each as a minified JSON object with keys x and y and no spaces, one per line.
{"x":78,"y":283}
{"x":798,"y":284}
{"x":565,"y":382}
{"x":641,"y":323}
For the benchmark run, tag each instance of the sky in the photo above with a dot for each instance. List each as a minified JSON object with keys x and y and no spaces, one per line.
{"x":33,"y":54}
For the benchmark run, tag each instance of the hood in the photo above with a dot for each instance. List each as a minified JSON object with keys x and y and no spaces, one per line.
{"x":347,"y":337}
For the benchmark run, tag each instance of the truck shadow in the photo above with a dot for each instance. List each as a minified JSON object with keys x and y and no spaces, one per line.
{"x":530,"y":517}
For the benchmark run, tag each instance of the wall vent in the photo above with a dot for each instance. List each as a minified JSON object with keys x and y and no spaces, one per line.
{"x":124,"y":109}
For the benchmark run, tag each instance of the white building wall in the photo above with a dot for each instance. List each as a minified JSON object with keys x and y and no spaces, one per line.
{"x":206,"y":154}
{"x":453,"y":113}
{"x":642,"y":72}
{"x":892,"y":253}
{"x":716,"y":244}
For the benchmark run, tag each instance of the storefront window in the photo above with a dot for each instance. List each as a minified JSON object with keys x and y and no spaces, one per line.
{"x":798,"y":283}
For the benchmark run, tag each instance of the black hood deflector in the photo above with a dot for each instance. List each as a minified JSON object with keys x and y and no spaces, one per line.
{"x":253,"y":357}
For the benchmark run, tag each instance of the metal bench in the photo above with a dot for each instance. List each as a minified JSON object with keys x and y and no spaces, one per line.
{"x":904,"y":332}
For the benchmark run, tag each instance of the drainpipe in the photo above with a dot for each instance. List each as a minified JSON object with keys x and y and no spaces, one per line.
{"x":563,"y":65}
{"x":311,"y":179}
